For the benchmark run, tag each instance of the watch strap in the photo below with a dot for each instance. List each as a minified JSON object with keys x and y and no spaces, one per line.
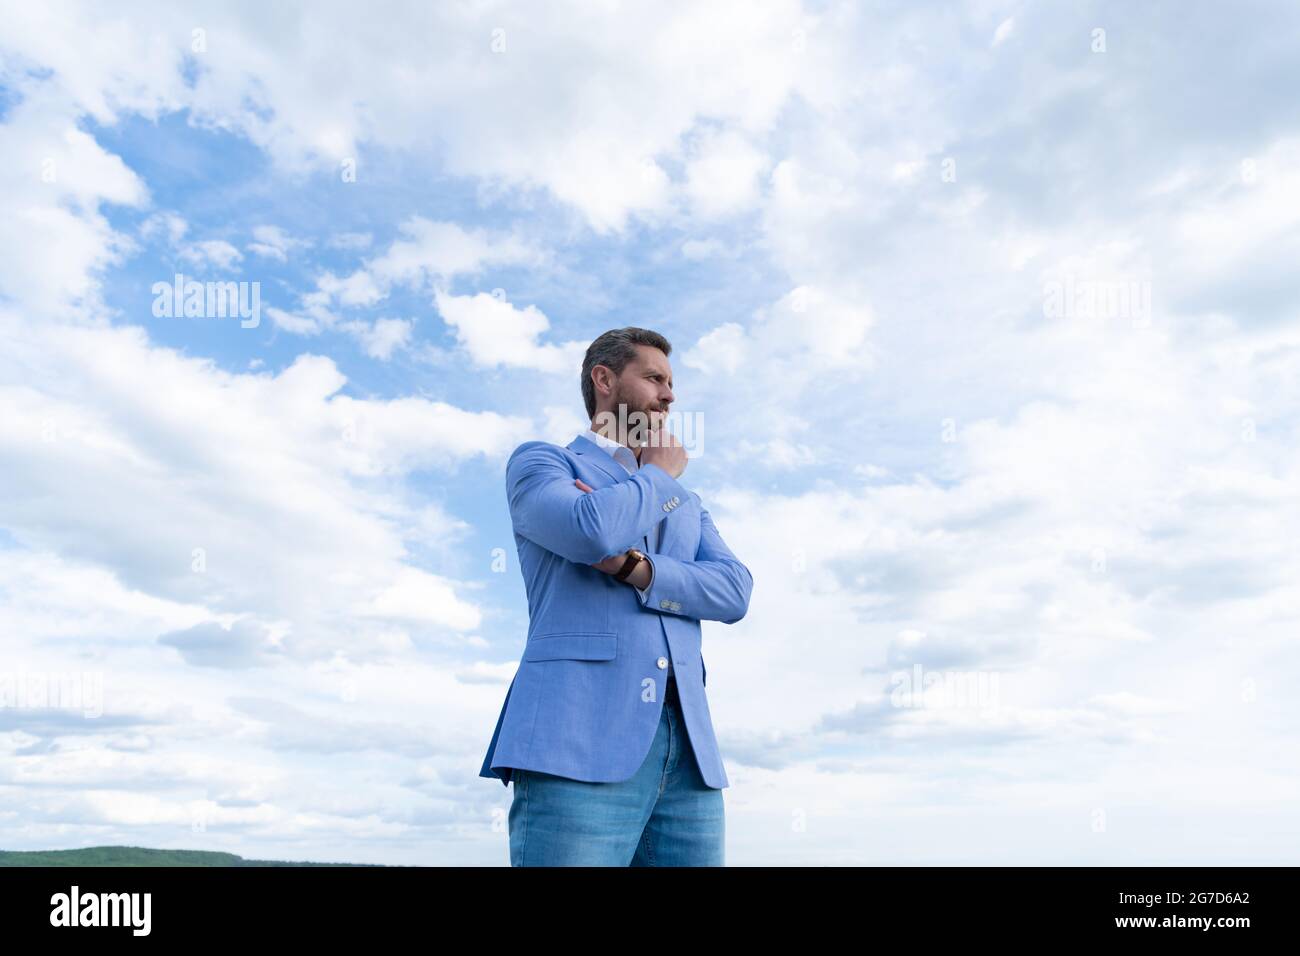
{"x":633,"y":559}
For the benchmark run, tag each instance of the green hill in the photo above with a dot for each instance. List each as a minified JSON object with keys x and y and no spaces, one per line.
{"x":140,"y":856}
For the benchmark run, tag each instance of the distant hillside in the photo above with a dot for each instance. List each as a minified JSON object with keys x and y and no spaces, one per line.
{"x":140,"y":856}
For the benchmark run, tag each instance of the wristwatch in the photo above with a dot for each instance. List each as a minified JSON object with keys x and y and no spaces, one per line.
{"x":634,"y":557}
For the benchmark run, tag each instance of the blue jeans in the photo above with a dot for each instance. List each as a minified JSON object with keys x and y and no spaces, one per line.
{"x":665,"y":815}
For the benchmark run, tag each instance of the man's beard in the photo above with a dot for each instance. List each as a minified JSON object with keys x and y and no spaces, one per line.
{"x":637,"y":428}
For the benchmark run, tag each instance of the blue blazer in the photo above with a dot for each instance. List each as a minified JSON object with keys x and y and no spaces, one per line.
{"x":586,"y":700}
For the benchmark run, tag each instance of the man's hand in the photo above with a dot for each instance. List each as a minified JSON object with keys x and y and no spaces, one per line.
{"x":665,"y":451}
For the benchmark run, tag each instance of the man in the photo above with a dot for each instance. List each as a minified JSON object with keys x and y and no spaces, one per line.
{"x":605,"y":730}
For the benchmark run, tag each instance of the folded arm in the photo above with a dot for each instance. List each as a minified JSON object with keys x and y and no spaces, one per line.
{"x":714,"y":587}
{"x":586,"y":527}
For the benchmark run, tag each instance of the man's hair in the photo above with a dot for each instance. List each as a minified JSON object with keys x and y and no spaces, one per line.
{"x":614,"y":349}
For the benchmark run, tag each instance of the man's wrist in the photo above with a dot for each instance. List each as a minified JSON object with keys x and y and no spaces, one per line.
{"x":642,"y":574}
{"x":632,"y":559}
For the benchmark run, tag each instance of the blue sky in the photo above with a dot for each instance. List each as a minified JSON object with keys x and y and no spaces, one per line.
{"x":275,"y":544}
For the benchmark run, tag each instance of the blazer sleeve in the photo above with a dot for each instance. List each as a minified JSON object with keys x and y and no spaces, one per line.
{"x":713,"y":587}
{"x":546,"y":507}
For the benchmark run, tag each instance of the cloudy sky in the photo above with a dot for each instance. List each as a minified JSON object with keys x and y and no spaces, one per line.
{"x":990,"y":315}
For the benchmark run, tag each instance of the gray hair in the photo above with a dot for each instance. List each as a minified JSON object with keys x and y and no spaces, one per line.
{"x":614,"y":349}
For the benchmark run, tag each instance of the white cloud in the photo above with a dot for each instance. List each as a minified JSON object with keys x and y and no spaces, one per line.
{"x":173,"y":225}
{"x":445,"y":78}
{"x":56,"y":240}
{"x":441,"y":250}
{"x":416,"y":595}
{"x":496,"y":333}
{"x":272,"y":242}
{"x":358,"y":289}
{"x":379,"y":339}
{"x":1004,"y":30}
{"x":243,"y":644}
{"x":294,"y":324}
{"x":428,"y":254}
{"x":810,"y":327}
{"x":214,"y":252}
{"x":282,"y":516}
{"x":724,"y":349}
{"x":723,"y":175}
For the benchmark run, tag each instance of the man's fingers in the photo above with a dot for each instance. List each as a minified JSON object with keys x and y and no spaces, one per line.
{"x":582,"y":485}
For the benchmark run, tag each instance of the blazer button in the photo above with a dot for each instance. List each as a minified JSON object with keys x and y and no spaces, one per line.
{"x":667,"y":508}
{"x":662,"y":662}
{"x":676,"y":499}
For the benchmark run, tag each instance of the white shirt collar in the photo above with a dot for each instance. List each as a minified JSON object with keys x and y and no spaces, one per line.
{"x":602,"y":441}
{"x":611,"y":446}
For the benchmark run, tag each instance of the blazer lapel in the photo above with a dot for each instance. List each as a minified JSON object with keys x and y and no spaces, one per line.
{"x":602,"y":459}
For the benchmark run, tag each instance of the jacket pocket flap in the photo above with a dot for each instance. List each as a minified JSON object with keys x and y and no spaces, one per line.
{"x":582,"y":647}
